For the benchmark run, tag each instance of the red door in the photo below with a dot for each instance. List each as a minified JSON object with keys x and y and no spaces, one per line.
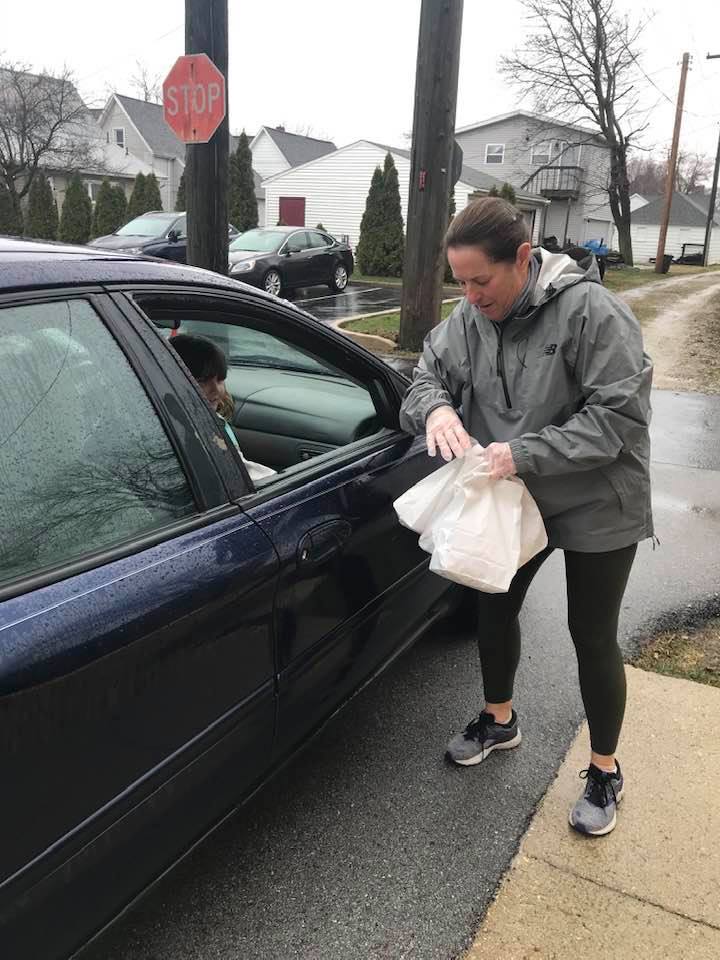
{"x":292,"y":211}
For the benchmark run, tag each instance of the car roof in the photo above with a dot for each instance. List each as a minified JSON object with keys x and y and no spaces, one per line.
{"x":35,"y":264}
{"x":276,"y":229}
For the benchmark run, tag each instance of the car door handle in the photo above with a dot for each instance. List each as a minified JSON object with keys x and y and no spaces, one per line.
{"x":322,"y":542}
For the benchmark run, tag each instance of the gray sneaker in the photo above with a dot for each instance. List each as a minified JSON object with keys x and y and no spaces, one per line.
{"x":481,"y":736}
{"x":595,"y":813}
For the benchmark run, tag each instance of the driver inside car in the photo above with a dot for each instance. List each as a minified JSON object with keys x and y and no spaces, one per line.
{"x":207,"y":363}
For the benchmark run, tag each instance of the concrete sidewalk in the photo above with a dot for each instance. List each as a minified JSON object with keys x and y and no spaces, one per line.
{"x":651,"y":889}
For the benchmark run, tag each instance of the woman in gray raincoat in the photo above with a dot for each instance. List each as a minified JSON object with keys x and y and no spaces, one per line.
{"x":545,"y":368}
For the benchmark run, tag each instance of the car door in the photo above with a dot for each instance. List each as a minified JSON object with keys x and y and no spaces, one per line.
{"x":137,"y":690}
{"x":176,"y":250}
{"x":322,"y":257}
{"x":297,"y":260}
{"x":353,"y":585}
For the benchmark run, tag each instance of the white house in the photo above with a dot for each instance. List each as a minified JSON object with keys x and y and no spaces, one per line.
{"x":686,"y":229}
{"x":332,"y":190}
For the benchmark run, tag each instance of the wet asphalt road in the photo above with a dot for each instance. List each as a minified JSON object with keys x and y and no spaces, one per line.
{"x":358,"y":298}
{"x":369,"y":845}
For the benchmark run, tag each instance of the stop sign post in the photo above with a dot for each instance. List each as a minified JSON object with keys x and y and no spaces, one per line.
{"x":194,"y":98}
{"x":194,"y":105}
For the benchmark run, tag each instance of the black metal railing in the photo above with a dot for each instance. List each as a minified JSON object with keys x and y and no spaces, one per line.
{"x":555,"y":181}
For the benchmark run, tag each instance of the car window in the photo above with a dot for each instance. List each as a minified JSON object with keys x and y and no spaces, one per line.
{"x":258,"y":241}
{"x":297,"y":242}
{"x":247,"y":347}
{"x":317,"y":239}
{"x":288,"y":402}
{"x":146,"y":226}
{"x":180,"y":226}
{"x":84,"y":461}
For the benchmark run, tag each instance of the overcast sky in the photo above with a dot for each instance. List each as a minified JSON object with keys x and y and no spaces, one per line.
{"x":346,"y":68}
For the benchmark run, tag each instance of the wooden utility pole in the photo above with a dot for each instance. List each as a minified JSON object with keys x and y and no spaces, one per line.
{"x":206,"y":170}
{"x":713,"y":192}
{"x":432,"y":167}
{"x":672,"y":165}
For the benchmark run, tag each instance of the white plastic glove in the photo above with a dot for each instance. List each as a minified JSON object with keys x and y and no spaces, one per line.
{"x":499,"y":460}
{"x":444,"y":430}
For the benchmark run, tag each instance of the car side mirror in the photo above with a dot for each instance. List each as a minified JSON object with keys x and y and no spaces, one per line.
{"x":287,"y":251}
{"x":173,"y":236}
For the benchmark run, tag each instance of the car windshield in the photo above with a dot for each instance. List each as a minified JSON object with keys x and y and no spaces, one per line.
{"x":258,"y":241}
{"x":146,"y":227}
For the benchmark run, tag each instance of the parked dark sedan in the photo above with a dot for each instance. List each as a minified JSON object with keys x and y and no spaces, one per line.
{"x":155,"y":234}
{"x":283,"y":258}
{"x":170,"y":633}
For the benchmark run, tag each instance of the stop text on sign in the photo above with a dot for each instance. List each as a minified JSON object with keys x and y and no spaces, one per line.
{"x":192,"y":97}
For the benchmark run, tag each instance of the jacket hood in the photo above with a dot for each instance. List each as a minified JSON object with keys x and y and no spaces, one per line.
{"x":559,"y":271}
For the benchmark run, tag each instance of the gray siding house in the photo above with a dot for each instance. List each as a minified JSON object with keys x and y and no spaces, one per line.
{"x":567,"y":164}
{"x":139,"y":128}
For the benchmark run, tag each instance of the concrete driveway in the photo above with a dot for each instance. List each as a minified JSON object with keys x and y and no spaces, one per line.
{"x":369,"y":845}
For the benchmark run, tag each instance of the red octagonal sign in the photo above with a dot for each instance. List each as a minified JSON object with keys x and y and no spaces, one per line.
{"x":194,"y":98}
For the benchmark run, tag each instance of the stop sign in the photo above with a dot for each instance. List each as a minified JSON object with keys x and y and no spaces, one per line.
{"x":194,"y":98}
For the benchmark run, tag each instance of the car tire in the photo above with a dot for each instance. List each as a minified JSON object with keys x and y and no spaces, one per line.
{"x":339,"y":278}
{"x":272,"y":283}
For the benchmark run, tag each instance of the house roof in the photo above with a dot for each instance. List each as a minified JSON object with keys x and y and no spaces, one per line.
{"x":538,"y":118}
{"x":469,"y":175}
{"x":298,"y":149}
{"x":685,"y":211}
{"x":150,"y":123}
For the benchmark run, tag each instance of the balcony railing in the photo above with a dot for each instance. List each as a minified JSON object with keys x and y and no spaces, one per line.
{"x":555,"y":183}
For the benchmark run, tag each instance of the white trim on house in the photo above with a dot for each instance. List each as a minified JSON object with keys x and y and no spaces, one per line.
{"x":498,"y":149}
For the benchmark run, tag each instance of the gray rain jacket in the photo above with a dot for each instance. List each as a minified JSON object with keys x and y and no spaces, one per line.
{"x":566,"y":382}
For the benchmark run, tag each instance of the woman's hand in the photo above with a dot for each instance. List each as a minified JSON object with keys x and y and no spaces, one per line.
{"x":444,"y":430}
{"x":499,"y":460}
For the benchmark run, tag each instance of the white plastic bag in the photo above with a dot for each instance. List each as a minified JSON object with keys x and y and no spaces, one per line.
{"x":479,"y":531}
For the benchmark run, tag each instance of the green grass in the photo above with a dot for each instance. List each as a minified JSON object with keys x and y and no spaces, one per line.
{"x":387,"y":324}
{"x":626,"y":278}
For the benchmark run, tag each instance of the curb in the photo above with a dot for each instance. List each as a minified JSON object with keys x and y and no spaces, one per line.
{"x":366,"y":339}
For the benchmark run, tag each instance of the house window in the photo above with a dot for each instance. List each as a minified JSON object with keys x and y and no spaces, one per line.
{"x":93,"y":188}
{"x":540,"y":155}
{"x":119,"y":136}
{"x":495,"y":153}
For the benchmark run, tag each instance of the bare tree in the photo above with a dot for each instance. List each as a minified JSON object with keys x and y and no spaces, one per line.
{"x":648,"y":175}
{"x":147,"y":84}
{"x":43,"y":123}
{"x":694,"y":170}
{"x":580,"y":65}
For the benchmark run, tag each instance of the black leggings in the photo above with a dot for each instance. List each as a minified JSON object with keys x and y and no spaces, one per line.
{"x":595,"y":587}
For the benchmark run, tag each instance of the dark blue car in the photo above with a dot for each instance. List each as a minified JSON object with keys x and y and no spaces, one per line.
{"x":169,"y":632}
{"x":154,"y":234}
